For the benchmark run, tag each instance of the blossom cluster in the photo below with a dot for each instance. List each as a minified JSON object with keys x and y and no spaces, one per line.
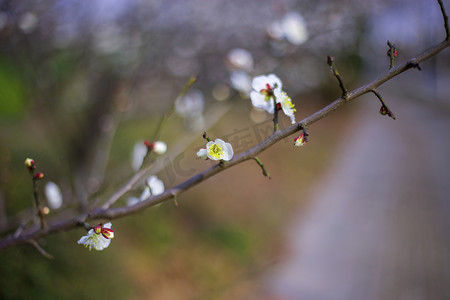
{"x":268,"y":94}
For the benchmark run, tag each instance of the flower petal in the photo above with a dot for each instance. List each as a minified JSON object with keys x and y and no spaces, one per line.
{"x":260,"y":82}
{"x":202,"y":153}
{"x":83,"y":240}
{"x":259,"y":100}
{"x":156,"y":184}
{"x":132,"y":201}
{"x":229,"y":152}
{"x":273,"y":80}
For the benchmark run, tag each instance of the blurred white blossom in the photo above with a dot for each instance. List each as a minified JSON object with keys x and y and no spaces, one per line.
{"x":153,"y":187}
{"x":191,"y":104}
{"x":294,"y":28}
{"x":241,"y":81}
{"x":158,"y":147}
{"x":190,"y":107}
{"x":239,"y":58}
{"x":28,"y":22}
{"x":53,"y":194}
{"x":139,"y":152}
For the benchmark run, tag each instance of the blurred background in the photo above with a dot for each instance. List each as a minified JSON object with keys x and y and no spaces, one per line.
{"x":360,"y":212}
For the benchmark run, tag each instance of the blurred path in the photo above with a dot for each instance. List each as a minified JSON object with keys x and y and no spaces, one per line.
{"x":378,"y":227}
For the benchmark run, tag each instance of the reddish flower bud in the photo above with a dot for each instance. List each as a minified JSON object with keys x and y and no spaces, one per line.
{"x":157,"y":147}
{"x":29,"y":163}
{"x":98,"y":228}
{"x":300,"y":140}
{"x":39,"y":175}
{"x":107,"y":233}
{"x":45,"y":210}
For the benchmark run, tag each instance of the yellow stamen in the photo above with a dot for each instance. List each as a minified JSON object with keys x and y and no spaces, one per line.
{"x":215,"y":151}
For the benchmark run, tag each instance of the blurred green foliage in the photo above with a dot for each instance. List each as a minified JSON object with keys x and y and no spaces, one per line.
{"x":13,"y":91}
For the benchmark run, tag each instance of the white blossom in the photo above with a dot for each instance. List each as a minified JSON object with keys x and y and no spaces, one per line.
{"x":217,"y":150}
{"x":159,"y":147}
{"x":139,"y":152}
{"x":154,"y":186}
{"x":294,"y":28}
{"x":239,"y":58}
{"x":98,"y":237}
{"x":287,"y":106}
{"x":265,"y":87}
{"x":240,"y":81}
{"x":53,"y":194}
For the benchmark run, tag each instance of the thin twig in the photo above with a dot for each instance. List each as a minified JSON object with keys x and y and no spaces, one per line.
{"x":164,"y":118}
{"x":40,"y":249}
{"x":258,"y":161}
{"x":392,"y":53}
{"x":444,"y":15}
{"x":384,"y":110}
{"x":36,"y":201}
{"x":276,"y":127}
{"x":330,"y":62}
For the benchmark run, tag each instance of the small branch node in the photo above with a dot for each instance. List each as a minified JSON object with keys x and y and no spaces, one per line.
{"x":330,"y":62}
{"x":414,"y":65}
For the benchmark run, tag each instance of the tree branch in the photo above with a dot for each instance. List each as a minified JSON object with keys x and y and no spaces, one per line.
{"x":113,"y":213}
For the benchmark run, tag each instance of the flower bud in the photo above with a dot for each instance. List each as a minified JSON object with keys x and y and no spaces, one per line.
{"x":107,"y":233}
{"x":300,"y":140}
{"x":39,"y":175}
{"x":45,"y":210}
{"x":29,"y":163}
{"x":158,"y":147}
{"x":202,"y":153}
{"x":98,"y":228}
